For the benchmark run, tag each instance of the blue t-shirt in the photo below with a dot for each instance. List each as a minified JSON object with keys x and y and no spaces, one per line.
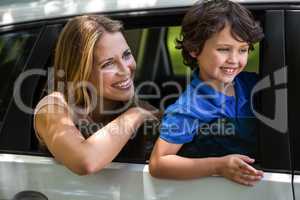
{"x":209,"y":123}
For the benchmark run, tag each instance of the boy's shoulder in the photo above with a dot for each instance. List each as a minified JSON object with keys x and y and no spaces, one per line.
{"x":191,"y":101}
{"x":247,"y":79}
{"x":248,"y":76}
{"x":181,"y":103}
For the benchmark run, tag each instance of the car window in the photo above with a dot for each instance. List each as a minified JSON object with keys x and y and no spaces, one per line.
{"x":14,"y":51}
{"x":145,"y":46}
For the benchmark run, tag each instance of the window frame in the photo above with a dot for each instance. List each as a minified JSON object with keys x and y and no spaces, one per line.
{"x":152,"y":18}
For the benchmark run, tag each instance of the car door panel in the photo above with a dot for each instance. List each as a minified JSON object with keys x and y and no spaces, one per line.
{"x":293,"y":60}
{"x":125,"y":181}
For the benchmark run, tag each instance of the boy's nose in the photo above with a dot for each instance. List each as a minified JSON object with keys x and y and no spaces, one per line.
{"x":233,"y":58}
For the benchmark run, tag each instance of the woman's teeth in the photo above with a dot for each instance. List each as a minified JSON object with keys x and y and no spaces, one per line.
{"x":124,"y":84}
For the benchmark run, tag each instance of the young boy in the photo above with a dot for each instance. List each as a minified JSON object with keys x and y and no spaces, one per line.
{"x":210,"y":120}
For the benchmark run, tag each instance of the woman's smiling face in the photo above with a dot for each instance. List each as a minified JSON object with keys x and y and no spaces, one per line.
{"x":114,"y":67}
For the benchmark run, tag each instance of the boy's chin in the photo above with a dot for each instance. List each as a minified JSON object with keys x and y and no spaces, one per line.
{"x":227,"y":81}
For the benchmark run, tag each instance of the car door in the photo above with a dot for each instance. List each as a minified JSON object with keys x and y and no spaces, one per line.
{"x":293,"y":58}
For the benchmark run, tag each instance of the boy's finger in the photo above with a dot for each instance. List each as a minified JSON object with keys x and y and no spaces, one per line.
{"x":257,"y":173}
{"x":250,"y":169}
{"x":250,"y":177}
{"x":246,"y":159}
{"x":260,"y":173}
{"x":242,"y":181}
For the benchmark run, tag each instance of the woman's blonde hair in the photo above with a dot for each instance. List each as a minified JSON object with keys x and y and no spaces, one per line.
{"x":74,"y":55}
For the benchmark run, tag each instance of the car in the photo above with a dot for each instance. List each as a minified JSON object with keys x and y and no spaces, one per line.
{"x":28,"y":34}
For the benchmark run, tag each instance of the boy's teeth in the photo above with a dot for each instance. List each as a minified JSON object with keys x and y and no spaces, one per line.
{"x":228,"y":70}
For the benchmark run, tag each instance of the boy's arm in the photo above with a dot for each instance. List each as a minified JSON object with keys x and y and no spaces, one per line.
{"x":164,"y":163}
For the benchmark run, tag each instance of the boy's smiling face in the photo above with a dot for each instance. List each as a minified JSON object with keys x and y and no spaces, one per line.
{"x":222,"y":58}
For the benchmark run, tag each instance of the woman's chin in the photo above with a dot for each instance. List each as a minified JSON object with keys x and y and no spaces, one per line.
{"x":124,"y":96}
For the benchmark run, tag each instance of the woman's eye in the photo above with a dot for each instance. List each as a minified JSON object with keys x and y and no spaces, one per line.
{"x":127,"y":55}
{"x":107,"y":64}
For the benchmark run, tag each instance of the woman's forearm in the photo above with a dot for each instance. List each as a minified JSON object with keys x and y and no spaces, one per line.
{"x":103,"y":146}
{"x":86,"y":156}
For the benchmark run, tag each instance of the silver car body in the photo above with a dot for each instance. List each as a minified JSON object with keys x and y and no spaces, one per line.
{"x":126,"y":181}
{"x":28,"y":10}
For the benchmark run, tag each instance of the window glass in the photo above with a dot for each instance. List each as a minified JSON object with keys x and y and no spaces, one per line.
{"x":147,"y":50}
{"x":253,"y":59}
{"x":133,"y":37}
{"x":175,"y":54}
{"x":177,"y":61}
{"x":136,"y":39}
{"x":14,"y":52}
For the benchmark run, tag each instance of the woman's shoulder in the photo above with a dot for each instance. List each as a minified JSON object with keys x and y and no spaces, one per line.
{"x":44,"y":106}
{"x":54,"y":98}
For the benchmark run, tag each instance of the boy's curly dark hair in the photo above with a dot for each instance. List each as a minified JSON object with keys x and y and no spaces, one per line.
{"x":210,"y":16}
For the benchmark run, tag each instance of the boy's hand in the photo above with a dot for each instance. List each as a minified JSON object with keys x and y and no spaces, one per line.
{"x":236,"y":168}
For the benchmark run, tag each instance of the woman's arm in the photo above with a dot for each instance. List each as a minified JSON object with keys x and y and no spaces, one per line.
{"x":164,"y":163}
{"x":86,"y":156}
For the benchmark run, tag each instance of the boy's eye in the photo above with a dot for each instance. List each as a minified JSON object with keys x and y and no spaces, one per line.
{"x":223,"y":49}
{"x":244,"y":50}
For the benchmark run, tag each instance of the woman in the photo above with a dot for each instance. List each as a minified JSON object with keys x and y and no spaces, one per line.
{"x":87,"y":120}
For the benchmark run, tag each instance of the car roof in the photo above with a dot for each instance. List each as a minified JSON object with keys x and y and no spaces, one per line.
{"x":32,"y":10}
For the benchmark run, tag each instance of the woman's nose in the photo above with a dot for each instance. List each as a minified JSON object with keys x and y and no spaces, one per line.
{"x":124,"y":68}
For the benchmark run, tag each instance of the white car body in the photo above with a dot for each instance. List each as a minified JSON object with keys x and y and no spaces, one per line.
{"x":126,"y":181}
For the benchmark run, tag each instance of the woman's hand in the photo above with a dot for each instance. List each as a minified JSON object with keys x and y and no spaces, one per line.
{"x":236,"y":168}
{"x":150,"y":111}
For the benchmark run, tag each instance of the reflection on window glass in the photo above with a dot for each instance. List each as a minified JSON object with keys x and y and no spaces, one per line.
{"x":14,"y":51}
{"x":136,"y":39}
{"x":253,"y":60}
{"x":175,"y":54}
{"x":177,"y":61}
